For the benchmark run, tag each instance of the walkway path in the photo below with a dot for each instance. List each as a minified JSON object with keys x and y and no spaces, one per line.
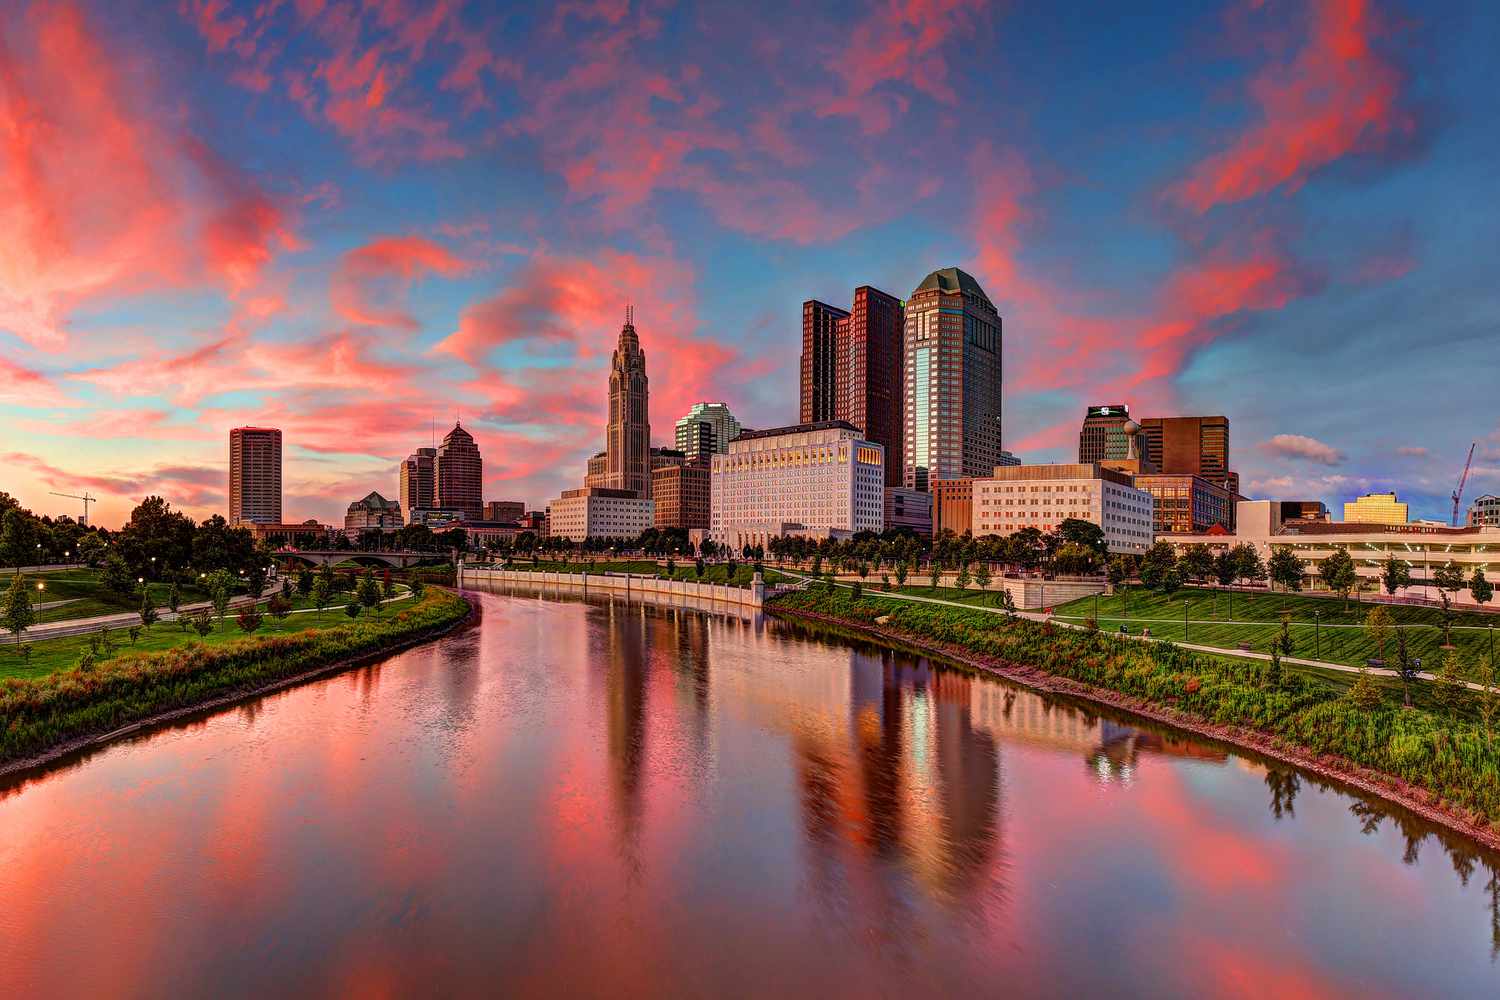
{"x":80,"y":626}
{"x":1038,"y":616}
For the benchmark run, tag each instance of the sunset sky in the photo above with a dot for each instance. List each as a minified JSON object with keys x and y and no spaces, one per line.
{"x":353,"y":220}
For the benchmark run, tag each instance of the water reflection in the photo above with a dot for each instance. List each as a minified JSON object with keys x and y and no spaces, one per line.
{"x":615,"y":797}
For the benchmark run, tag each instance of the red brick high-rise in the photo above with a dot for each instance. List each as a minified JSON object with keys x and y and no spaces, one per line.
{"x":851,"y":368}
{"x":458,"y":474}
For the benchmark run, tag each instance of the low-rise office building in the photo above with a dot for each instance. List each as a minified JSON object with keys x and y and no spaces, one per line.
{"x":906,"y":508}
{"x":372,"y":513}
{"x":599,"y":512}
{"x":952,"y":506}
{"x":1187,"y":504}
{"x":504,"y":510}
{"x":681,"y":493}
{"x":1485,"y":511}
{"x":1375,"y":508}
{"x":1043,"y":496}
{"x":1424,"y":547}
{"x":805,"y":479}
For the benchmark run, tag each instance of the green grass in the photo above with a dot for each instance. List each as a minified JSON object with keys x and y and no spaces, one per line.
{"x":52,"y":655}
{"x":88,"y":598}
{"x":41,"y":712}
{"x":1446,"y":751}
{"x":1257,"y":621}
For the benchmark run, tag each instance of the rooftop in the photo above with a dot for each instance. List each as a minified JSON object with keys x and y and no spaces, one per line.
{"x":951,"y":279}
{"x":820,"y":425}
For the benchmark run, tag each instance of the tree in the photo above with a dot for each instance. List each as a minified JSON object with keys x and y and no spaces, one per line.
{"x":1007,"y":603}
{"x":1363,"y":693}
{"x":304,"y":582}
{"x":1226,"y":569}
{"x":1273,"y":669}
{"x":17,"y":614}
{"x":387,"y":586}
{"x":1395,"y":575}
{"x":1077,"y":531}
{"x":250,"y":619}
{"x":903,"y":569}
{"x":218,"y":546}
{"x":982,"y":576}
{"x":1338,"y":575}
{"x":1247,"y":563}
{"x":148,"y":609}
{"x":1449,"y":579}
{"x":1285,"y":568}
{"x":156,"y":539}
{"x":1449,"y":691}
{"x":322,"y":595}
{"x":92,"y":549}
{"x":255,"y":577}
{"x":115,"y":576}
{"x":698,"y":568}
{"x":352,"y":610}
{"x":1171,"y":580}
{"x":1379,"y":626}
{"x":1284,"y":640}
{"x":1198,"y":562}
{"x":279,"y":607}
{"x":174,"y":596}
{"x":934,"y":572}
{"x":1406,"y":666}
{"x":203,"y":624}
{"x":1479,"y":588}
{"x":417,"y":587}
{"x":18,"y":537}
{"x":368,"y":593}
{"x":1488,"y":697}
{"x":219,"y":585}
{"x":962,"y":580}
{"x":1073,"y":559}
{"x":1118,"y":575}
{"x":1156,"y":563}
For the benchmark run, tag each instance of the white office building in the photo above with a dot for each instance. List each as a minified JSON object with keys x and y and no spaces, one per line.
{"x":820,"y":479}
{"x":598,"y":512}
{"x":1043,"y":496}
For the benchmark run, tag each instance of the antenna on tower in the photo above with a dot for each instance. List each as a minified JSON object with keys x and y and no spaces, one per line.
{"x":629,"y":314}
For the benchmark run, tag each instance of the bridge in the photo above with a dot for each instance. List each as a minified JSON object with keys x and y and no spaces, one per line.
{"x":332,"y":557}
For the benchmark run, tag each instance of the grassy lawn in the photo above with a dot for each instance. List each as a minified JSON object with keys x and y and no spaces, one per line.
{"x":88,"y":598}
{"x":1257,"y":621}
{"x":50,"y":655}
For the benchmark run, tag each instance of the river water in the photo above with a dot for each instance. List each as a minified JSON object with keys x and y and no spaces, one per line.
{"x":609,"y":798}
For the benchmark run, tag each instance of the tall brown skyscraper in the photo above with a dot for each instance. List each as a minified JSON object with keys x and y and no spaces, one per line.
{"x":254,"y":475}
{"x":824,"y":338}
{"x":1196,"y":446}
{"x":418,"y":483}
{"x":952,"y":406}
{"x":851,"y":368}
{"x":627,"y":438}
{"x":458,"y":474}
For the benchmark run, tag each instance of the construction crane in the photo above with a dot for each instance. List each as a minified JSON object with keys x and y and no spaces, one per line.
{"x":86,"y":501}
{"x":1458,"y":491}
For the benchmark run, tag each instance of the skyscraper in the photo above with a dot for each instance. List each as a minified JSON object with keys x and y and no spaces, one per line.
{"x":1196,"y":446}
{"x":1103,"y":434}
{"x":254,"y":475}
{"x":953,"y":369}
{"x":627,"y":438}
{"x":458,"y":474}
{"x":824,"y":328}
{"x":851,"y":368}
{"x":871,"y":393}
{"x":718,"y":419}
{"x":418,"y":489}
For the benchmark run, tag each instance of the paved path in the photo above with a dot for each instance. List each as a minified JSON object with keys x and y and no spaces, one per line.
{"x":1268,"y":623}
{"x":80,"y":626}
{"x":1037,"y":616}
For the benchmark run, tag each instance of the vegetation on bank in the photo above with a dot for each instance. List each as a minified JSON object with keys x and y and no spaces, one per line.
{"x":99,"y":696}
{"x":1323,"y":628}
{"x":1446,"y":745}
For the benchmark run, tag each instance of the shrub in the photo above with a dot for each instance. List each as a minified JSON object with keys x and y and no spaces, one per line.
{"x":250,"y":620}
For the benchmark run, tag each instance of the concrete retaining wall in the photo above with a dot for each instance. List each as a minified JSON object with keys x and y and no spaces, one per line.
{"x":752,"y":597}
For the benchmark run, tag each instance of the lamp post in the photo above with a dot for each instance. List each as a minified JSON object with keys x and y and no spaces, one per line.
{"x":1490,"y":627}
{"x":1317,"y":635}
{"x":1184,"y":621}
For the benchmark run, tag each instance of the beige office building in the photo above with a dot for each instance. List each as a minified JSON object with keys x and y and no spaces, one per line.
{"x":1043,"y":496}
{"x":598,"y":512}
{"x":819,"y":479}
{"x":254,"y":476}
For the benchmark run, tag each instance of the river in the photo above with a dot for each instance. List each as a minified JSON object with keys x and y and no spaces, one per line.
{"x":609,"y":798}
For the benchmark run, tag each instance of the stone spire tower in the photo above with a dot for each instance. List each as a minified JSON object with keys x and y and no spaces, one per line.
{"x":627,"y":438}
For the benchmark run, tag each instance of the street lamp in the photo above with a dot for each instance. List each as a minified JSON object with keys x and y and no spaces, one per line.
{"x":41,"y":585}
{"x":1317,"y":635}
{"x":1184,"y":621}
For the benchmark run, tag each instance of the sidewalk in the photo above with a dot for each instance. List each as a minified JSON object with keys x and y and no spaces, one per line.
{"x":1038,"y":616}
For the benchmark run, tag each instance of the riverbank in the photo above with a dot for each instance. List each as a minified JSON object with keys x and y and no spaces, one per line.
{"x":43,"y":719}
{"x":1443,"y":769}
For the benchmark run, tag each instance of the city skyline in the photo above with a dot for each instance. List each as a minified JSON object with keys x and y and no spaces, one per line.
{"x":304,"y":232}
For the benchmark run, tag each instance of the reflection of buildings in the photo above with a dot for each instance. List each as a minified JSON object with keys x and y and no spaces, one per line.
{"x":625,"y":708}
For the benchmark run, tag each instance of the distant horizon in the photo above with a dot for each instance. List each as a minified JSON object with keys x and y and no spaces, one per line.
{"x":343,"y":222}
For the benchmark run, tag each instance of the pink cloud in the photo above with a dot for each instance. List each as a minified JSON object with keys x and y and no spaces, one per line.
{"x":22,"y":386}
{"x":1338,"y":96}
{"x":1299,"y":446}
{"x":192,"y":486}
{"x":371,"y":283}
{"x":170,"y":214}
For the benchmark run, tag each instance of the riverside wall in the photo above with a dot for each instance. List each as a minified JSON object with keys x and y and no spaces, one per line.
{"x":621,"y":583}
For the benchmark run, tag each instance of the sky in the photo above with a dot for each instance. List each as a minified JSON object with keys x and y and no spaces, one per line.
{"x":361,"y":221}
